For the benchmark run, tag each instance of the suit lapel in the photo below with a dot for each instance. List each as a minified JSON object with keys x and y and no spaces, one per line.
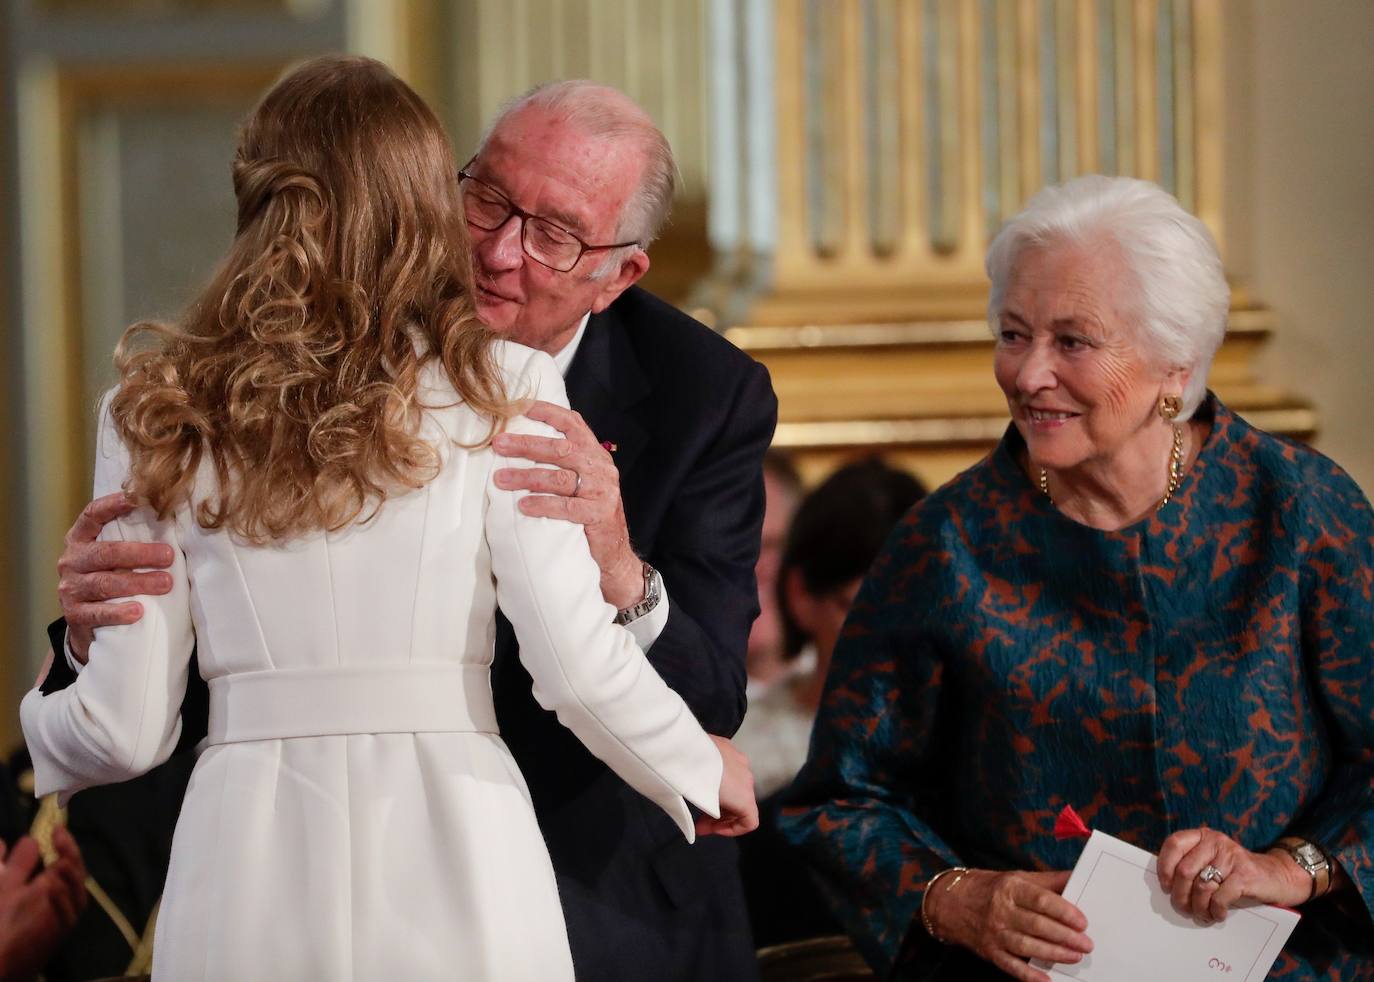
{"x":605,"y":382}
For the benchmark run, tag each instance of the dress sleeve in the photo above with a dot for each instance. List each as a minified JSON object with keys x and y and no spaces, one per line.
{"x":1338,"y":646}
{"x":587,"y":670}
{"x":121,"y":716}
{"x":859,"y":808}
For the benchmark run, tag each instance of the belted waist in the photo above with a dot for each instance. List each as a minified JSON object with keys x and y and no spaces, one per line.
{"x":305,"y":702}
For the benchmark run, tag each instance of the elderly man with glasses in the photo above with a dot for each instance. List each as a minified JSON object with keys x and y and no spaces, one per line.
{"x":660,"y":462}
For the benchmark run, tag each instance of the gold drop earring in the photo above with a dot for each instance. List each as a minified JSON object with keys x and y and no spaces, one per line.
{"x":1169,"y":408}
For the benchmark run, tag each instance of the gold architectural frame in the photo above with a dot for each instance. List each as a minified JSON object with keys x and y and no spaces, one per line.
{"x":54,"y":99}
{"x":12,"y":670}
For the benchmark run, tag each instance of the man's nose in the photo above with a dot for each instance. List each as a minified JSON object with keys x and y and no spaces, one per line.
{"x":499,"y":249}
{"x":1037,"y":370}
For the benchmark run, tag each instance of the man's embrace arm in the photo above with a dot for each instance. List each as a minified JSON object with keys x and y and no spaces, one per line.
{"x":92,"y":573}
{"x":706,"y":549}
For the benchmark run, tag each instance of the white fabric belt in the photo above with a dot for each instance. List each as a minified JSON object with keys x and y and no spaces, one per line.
{"x":308,"y":702}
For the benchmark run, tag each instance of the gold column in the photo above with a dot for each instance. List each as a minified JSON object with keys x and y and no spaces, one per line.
{"x":910,"y":36}
{"x":1027,"y":16}
{"x":1208,"y":114}
{"x":1146,"y":104}
{"x":1086,"y":93}
{"x":13,"y":677}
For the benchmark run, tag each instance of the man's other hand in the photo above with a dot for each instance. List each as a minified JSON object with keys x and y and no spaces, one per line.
{"x":739,"y":810}
{"x":91,"y":573}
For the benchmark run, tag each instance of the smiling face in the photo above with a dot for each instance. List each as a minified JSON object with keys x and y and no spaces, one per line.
{"x":1079,"y":388}
{"x":550,"y":169}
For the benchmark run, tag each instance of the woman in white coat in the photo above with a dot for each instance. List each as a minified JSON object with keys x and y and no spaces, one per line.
{"x":313,"y":439}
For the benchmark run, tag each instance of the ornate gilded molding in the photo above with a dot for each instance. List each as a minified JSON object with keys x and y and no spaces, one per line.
{"x":1248,"y":326}
{"x":951,"y":431}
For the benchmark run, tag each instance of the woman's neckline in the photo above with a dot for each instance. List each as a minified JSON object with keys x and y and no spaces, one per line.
{"x":1206,"y":425}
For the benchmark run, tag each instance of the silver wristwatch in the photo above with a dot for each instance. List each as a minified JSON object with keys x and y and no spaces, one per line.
{"x":653,"y":590}
{"x":1311,"y":858}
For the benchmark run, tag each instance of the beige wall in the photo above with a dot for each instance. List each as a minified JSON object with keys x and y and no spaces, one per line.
{"x":1300,"y":207}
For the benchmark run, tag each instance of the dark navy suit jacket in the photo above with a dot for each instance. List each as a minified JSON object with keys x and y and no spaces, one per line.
{"x":691,"y":416}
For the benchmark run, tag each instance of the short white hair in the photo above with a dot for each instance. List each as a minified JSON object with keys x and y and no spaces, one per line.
{"x":606,"y":112}
{"x":1181,"y":295}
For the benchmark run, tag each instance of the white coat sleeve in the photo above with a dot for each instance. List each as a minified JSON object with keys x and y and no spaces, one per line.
{"x":587,"y":670}
{"x":122,"y":715}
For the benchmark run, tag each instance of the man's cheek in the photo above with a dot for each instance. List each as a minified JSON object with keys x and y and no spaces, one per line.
{"x":494,"y":317}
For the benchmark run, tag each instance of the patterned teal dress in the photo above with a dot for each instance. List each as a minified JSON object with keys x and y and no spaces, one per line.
{"x":1213,"y":663}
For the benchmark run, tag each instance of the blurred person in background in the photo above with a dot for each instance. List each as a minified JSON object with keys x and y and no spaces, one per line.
{"x":766,"y":660}
{"x":40,"y":900}
{"x":837,"y":531}
{"x":124,"y":834}
{"x":39,"y":904}
{"x":835,"y":535}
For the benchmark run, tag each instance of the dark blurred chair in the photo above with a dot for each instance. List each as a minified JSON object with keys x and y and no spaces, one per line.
{"x":831,"y":959}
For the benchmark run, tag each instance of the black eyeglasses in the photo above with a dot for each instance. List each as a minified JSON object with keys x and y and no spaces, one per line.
{"x":544,"y":241}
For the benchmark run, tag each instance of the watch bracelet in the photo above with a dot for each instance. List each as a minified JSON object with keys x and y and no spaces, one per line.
{"x":635,"y":611}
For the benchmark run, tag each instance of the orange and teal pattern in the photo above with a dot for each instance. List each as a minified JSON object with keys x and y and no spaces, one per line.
{"x":1212,"y":664}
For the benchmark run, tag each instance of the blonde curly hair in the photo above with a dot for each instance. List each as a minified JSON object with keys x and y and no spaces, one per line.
{"x":296,"y":369}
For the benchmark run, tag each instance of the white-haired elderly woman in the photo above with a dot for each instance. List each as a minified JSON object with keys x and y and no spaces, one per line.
{"x":1138,"y":605}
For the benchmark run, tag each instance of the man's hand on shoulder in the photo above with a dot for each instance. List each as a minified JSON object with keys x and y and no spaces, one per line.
{"x":584,"y":487}
{"x":91,"y":573}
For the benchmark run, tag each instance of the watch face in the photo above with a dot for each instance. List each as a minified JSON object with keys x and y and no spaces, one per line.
{"x":1309,"y":855}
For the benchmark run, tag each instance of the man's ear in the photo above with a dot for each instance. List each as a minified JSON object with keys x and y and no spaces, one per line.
{"x":635,"y":265}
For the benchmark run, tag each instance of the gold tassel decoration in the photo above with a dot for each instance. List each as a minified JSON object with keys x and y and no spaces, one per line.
{"x":49,"y":818}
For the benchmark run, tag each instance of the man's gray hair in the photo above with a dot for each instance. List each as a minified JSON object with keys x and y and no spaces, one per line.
{"x":1181,"y":297}
{"x":605,"y":112}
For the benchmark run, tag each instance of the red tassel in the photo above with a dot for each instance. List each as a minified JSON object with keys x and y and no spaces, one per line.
{"x":1069,"y":826}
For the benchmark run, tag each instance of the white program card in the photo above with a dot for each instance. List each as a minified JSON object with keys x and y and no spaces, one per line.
{"x":1138,"y":936}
